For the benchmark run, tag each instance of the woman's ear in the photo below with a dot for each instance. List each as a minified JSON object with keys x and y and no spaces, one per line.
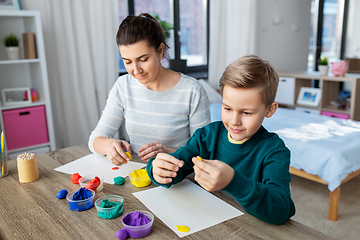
{"x":272,"y":109}
{"x":161,"y":51}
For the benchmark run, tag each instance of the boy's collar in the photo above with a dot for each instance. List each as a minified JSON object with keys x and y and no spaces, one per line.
{"x":235,"y":141}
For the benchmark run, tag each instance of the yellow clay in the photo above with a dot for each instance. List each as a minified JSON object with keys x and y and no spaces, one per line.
{"x":199,"y":158}
{"x":140,"y":178}
{"x":182,"y":228}
{"x":129,"y":155}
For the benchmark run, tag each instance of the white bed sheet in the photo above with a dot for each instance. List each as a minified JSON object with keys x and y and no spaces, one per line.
{"x":320,"y":145}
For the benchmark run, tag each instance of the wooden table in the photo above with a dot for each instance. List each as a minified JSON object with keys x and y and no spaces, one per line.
{"x":32,"y":211}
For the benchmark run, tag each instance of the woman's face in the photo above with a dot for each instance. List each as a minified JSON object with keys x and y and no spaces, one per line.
{"x":142,"y":62}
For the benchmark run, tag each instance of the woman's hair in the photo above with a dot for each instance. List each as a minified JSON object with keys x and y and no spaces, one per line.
{"x":143,"y":27}
{"x":251,"y":71}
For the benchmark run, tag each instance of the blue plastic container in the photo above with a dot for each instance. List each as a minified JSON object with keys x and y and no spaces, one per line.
{"x":80,"y":205}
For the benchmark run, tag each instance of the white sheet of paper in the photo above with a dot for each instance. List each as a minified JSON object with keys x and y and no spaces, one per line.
{"x":186,"y":204}
{"x":96,"y":164}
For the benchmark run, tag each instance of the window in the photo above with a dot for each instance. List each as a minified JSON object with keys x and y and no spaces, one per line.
{"x":190,"y":19}
{"x":328,"y":30}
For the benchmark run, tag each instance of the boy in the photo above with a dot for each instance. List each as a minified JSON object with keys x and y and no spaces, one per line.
{"x":245,"y":160}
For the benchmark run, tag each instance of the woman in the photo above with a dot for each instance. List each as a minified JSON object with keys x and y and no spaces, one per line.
{"x":159,"y":107}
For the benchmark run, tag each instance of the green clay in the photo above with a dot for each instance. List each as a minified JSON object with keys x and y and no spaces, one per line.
{"x":107,"y":213}
{"x":119,"y":180}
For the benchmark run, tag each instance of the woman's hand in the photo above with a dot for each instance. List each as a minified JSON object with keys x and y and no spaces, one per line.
{"x":212,"y":175}
{"x":165,"y":167}
{"x":150,"y":150}
{"x":115,"y":152}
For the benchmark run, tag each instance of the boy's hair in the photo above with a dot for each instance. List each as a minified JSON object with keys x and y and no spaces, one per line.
{"x":143,"y":27}
{"x":251,"y":71}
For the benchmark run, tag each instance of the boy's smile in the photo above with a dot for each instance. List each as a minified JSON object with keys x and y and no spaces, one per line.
{"x":243,"y":112}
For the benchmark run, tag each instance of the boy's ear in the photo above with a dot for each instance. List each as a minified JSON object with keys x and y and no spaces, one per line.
{"x":272,"y":109}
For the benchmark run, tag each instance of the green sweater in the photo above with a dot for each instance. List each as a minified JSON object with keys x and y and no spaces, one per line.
{"x":261,"y":182}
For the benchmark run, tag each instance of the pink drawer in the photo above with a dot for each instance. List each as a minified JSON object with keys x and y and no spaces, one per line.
{"x":335,"y":115}
{"x":25,"y":127}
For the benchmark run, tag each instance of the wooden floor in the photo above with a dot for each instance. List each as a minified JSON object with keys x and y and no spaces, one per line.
{"x":334,"y":196}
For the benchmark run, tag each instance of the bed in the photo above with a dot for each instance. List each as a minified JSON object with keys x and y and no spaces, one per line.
{"x":323,"y":149}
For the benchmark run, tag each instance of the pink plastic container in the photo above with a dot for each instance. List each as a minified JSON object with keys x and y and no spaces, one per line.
{"x":25,"y":127}
{"x":335,"y":115}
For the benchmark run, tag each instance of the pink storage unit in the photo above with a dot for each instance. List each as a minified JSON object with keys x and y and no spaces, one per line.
{"x":335,"y":115}
{"x":25,"y":127}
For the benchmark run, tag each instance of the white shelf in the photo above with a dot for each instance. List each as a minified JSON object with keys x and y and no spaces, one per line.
{"x":26,"y":73}
{"x":330,"y":87}
{"x":19,"y":61}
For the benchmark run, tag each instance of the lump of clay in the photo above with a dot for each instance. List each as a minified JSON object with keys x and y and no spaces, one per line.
{"x":136,"y":219}
{"x":82,"y":194}
{"x":75,"y":178}
{"x":62,"y":194}
{"x":119,"y":180}
{"x":122,"y":234}
{"x":93,"y":184}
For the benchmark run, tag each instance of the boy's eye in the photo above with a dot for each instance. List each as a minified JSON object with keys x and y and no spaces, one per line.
{"x":227,"y":109}
{"x":247,"y":113}
{"x":128,"y":62}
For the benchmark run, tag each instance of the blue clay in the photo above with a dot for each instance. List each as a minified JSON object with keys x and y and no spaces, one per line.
{"x":82,"y":194}
{"x":62,"y":194}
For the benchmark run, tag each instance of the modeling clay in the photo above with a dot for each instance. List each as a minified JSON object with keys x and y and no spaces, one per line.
{"x":75,"y":178}
{"x":140,"y":178}
{"x":136,"y":219}
{"x":115,"y":168}
{"x":62,"y":194}
{"x":122,"y":234}
{"x":119,"y":180}
{"x":199,"y":158}
{"x":129,"y":155}
{"x":93,"y":184}
{"x":110,"y":213}
{"x":82,"y":194}
{"x":182,"y":228}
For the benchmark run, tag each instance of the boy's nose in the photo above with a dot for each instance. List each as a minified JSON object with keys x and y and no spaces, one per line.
{"x":236,"y":120}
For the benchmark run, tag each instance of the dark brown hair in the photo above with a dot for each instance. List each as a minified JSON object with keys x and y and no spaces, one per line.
{"x":143,"y":27}
{"x":251,"y":71}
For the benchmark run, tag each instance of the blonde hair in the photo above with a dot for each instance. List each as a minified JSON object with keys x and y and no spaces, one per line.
{"x":251,"y":71}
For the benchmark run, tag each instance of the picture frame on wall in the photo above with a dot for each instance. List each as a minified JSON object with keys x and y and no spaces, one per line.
{"x":309,"y":96}
{"x":10,"y":5}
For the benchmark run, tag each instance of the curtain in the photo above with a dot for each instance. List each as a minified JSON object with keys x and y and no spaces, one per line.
{"x":232,"y":34}
{"x":82,"y":62}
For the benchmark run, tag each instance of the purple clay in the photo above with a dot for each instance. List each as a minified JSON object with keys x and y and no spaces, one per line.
{"x":62,"y":194}
{"x":122,"y":234}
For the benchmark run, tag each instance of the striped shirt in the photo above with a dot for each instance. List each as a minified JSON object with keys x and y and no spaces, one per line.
{"x":169,"y":117}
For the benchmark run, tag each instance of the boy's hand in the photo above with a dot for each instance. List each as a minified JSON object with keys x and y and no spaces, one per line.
{"x":150,"y":150}
{"x":115,"y":152}
{"x":212,"y":175}
{"x":165,"y":167}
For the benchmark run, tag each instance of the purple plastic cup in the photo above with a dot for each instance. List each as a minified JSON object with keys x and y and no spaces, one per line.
{"x":138,"y":231}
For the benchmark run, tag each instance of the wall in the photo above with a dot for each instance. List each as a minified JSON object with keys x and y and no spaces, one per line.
{"x":352,"y":49}
{"x":283,"y":33}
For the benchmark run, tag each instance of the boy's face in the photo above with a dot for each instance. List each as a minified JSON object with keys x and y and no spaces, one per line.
{"x":243,"y":111}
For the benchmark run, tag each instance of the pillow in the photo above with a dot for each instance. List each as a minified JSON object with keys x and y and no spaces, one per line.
{"x":213,"y":95}
{"x":215,"y":112}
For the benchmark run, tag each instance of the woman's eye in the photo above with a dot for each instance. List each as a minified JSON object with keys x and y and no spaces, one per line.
{"x":227,"y":109}
{"x":127,"y":62}
{"x":144,"y":60}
